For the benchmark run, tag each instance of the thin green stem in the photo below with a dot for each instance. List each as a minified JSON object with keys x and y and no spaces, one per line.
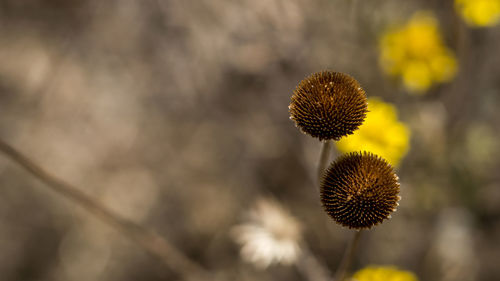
{"x":348,"y":256}
{"x":146,"y":238}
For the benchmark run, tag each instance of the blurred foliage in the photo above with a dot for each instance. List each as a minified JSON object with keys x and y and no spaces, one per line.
{"x":174,"y":114}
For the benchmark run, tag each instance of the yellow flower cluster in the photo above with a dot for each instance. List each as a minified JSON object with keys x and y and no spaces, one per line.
{"x":383,"y":273}
{"x":479,"y":12}
{"x":381,"y":133}
{"x":417,"y":53}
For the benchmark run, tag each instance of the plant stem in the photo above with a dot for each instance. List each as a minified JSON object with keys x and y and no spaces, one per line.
{"x":323,"y":158}
{"x":146,"y":238}
{"x":347,"y":259}
{"x":311,"y":268}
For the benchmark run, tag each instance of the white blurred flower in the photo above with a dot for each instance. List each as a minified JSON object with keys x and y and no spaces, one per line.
{"x":270,"y":235}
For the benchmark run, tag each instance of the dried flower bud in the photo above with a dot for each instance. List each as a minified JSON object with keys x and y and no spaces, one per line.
{"x":328,"y":105}
{"x":360,"y":190}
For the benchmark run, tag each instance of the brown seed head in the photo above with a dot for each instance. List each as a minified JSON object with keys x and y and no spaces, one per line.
{"x":360,"y":190}
{"x":328,"y":105}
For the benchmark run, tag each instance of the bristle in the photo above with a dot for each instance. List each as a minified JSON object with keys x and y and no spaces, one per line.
{"x":359,"y":190}
{"x":328,"y":105}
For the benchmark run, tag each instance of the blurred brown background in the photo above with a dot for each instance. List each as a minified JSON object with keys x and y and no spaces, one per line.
{"x":175,"y":114}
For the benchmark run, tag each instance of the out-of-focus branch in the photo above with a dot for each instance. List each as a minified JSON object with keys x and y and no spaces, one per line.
{"x":146,"y":238}
{"x":324,"y":156}
{"x":311,"y":268}
{"x":341,"y":273}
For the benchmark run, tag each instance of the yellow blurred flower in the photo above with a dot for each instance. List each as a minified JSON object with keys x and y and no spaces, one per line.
{"x":480,"y":13}
{"x":416,"y":53}
{"x":383,"y":273}
{"x":381,"y":133}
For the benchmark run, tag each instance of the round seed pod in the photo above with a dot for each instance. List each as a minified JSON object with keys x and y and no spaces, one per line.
{"x":360,"y":190}
{"x":328,"y":105}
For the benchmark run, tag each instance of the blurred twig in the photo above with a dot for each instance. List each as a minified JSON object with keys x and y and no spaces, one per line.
{"x":146,"y":238}
{"x":347,"y":259}
{"x":311,"y":268}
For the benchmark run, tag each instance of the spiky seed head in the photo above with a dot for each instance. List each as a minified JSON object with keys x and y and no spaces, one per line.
{"x":360,"y":190}
{"x":328,"y":105}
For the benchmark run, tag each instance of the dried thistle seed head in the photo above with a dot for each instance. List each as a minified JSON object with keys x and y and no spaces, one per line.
{"x":360,"y":190}
{"x":328,"y":105}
